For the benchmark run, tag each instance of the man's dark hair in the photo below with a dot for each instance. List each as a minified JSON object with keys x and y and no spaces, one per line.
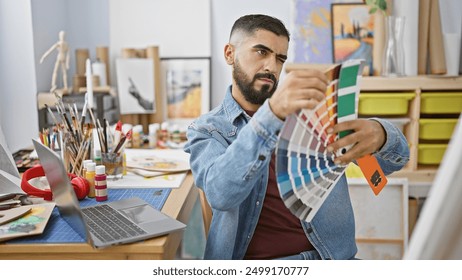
{"x":251,"y":23}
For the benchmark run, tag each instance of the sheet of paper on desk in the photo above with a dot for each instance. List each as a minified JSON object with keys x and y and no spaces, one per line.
{"x":145,"y":179}
{"x":171,"y":154}
{"x":132,"y":180}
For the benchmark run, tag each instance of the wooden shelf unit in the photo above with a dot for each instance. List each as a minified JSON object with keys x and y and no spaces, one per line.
{"x":417,"y":85}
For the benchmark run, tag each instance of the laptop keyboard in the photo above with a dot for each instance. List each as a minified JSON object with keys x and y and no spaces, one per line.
{"x":108,"y":224}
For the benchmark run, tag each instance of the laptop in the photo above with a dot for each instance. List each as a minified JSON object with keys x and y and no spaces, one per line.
{"x":10,"y":181}
{"x":130,"y":220}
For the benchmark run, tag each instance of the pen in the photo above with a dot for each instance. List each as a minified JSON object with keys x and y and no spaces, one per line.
{"x":111,"y":135}
{"x":48,"y":138}
{"x":84,"y":111}
{"x":105,"y":135}
{"x":52,"y":115}
{"x":76,"y":112}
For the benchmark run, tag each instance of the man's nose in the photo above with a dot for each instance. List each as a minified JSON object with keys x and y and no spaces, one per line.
{"x":271,"y":65}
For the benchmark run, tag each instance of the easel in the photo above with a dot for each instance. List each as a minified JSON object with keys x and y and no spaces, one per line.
{"x":157,"y":117}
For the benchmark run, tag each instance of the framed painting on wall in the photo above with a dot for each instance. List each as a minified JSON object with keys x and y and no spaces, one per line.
{"x":186,"y":84}
{"x":352,"y":33}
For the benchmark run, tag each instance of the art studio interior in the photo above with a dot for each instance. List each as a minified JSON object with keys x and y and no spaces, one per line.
{"x":118,"y":84}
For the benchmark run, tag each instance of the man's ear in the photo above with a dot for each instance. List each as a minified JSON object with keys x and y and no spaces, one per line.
{"x":229,"y":54}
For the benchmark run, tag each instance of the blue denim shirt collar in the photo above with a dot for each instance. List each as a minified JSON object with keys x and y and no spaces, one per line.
{"x":232,"y":109}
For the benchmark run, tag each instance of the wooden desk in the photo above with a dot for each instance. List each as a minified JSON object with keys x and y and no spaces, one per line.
{"x":178,"y":205}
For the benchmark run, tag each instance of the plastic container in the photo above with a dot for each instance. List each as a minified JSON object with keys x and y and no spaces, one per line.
{"x":436,"y":129}
{"x":90,"y":176}
{"x":431,"y":153}
{"x":441,"y":103}
{"x":384,"y":103}
{"x":100,"y":183}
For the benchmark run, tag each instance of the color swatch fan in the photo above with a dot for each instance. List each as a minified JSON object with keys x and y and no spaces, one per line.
{"x":306,"y":173}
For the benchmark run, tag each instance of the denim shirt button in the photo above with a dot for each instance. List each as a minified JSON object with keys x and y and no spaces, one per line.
{"x":258,"y":203}
{"x":309,"y":230}
{"x":261,"y":157}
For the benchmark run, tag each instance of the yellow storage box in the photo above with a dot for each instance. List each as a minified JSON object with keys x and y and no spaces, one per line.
{"x":441,"y":103}
{"x":384,"y":103}
{"x":431,"y":153}
{"x":436,"y":129}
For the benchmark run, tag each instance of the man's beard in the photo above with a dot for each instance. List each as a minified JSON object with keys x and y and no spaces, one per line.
{"x":247,"y":87}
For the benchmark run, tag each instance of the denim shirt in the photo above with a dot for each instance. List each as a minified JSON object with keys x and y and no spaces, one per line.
{"x":230,"y":156}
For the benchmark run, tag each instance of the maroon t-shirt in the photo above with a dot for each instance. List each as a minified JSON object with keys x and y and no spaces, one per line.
{"x":278,"y":232}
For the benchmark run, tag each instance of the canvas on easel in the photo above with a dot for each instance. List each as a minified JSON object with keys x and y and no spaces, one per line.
{"x":135,"y":85}
{"x":151,"y":52}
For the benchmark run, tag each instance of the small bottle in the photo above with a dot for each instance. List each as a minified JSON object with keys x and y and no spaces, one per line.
{"x":90,"y":176}
{"x":153,"y":135}
{"x":99,"y":68}
{"x":84,"y":169}
{"x":136,"y":136}
{"x":100,"y":183}
{"x":175,"y":134}
{"x":97,"y":156}
{"x":163,"y":136}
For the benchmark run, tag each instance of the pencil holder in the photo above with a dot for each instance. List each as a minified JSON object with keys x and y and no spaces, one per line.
{"x":114,"y":165}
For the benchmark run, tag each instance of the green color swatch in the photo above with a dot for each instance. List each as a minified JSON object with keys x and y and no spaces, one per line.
{"x":346,"y":104}
{"x":348,"y":76}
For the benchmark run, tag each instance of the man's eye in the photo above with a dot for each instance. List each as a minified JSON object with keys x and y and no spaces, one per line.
{"x":262,"y":52}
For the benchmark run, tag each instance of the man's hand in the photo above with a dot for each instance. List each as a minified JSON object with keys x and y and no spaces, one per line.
{"x":300,"y":89}
{"x":368,"y":135}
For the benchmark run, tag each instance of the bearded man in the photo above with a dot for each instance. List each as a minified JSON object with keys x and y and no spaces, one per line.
{"x":232,"y":154}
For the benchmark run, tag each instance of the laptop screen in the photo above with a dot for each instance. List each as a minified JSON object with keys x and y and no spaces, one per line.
{"x":60,"y":185}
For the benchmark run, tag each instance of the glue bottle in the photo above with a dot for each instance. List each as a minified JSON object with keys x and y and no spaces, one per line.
{"x":90,"y":176}
{"x":84,"y":170}
{"x":97,"y":156}
{"x":100,"y":183}
{"x":153,"y":128}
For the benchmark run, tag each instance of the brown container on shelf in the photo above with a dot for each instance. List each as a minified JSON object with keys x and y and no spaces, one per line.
{"x":81,"y":56}
{"x":102,"y":54}
{"x":78,"y":81}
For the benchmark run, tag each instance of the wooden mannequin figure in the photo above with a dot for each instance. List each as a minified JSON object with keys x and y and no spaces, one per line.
{"x":61,"y":60}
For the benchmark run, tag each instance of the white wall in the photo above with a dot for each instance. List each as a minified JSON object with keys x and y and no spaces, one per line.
{"x":224,"y":13}
{"x":18,"y":110}
{"x":86,"y":23}
{"x":181,"y":28}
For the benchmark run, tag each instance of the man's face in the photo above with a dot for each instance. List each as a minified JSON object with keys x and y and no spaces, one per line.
{"x":257,"y":65}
